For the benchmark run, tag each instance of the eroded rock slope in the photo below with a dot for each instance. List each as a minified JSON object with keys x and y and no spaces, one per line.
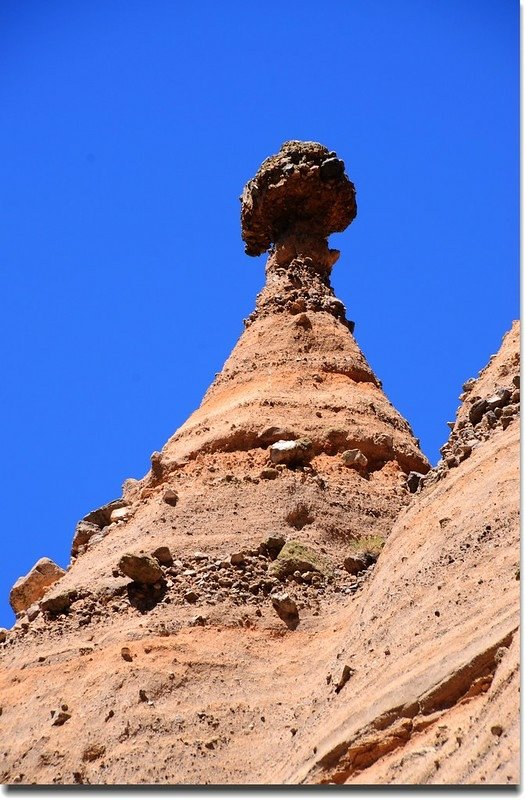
{"x":225,"y":620}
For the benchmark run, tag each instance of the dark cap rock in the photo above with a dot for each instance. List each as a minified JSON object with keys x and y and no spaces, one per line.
{"x":301,"y":188}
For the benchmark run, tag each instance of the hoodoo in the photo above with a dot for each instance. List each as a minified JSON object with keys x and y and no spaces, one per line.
{"x":225,"y":621}
{"x":296,"y":374}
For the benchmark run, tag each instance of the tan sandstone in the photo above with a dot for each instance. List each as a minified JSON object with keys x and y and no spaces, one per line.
{"x":257,"y":657}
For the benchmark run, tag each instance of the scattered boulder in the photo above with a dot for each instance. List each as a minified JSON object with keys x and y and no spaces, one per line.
{"x":272,"y":545}
{"x":292,"y":453}
{"x":358,"y":562}
{"x":30,"y":588}
{"x":286,"y":608}
{"x":299,"y":516}
{"x":191,"y":596}
{"x":3,"y":635}
{"x":170,"y":497}
{"x":199,"y":620}
{"x":58,"y":601}
{"x":335,"y":438}
{"x":298,"y":557}
{"x":477,"y":410}
{"x":303,"y":321}
{"x":61,"y":716}
{"x":345,"y":677}
{"x":163,"y":556}
{"x":500,"y":398}
{"x":157,"y":466}
{"x":237,"y":559}
{"x":141,"y":568}
{"x":354,"y":458}
{"x":125,"y":652}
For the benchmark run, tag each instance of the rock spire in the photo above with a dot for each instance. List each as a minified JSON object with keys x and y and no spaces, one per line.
{"x":231,"y":599}
{"x":295,"y":201}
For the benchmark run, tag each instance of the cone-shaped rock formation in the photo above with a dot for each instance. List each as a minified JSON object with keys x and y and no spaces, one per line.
{"x":212,"y":617}
{"x":296,"y":373}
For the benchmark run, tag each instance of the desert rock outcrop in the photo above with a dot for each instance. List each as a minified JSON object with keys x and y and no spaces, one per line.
{"x":279,"y":600}
{"x":30,"y":588}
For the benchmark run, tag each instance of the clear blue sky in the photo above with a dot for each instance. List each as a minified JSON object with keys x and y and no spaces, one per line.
{"x":128,"y":130}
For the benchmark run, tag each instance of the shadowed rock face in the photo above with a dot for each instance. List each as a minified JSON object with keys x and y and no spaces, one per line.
{"x":303,"y":190}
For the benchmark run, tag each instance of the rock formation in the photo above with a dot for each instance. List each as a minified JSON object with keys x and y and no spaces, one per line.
{"x":235,"y":613}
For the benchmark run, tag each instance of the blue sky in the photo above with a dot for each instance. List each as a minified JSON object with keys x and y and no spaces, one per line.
{"x":128,"y":131}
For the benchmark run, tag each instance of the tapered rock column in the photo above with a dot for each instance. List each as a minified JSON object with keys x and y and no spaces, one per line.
{"x":296,"y":371}
{"x":295,"y":201}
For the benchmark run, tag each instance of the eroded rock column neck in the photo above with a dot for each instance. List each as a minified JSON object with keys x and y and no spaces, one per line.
{"x":297,"y":198}
{"x":298,"y":278}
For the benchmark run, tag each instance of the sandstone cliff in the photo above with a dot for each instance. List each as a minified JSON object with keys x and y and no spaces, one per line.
{"x":226,"y":616}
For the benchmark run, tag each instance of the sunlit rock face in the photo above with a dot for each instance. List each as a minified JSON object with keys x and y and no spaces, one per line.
{"x":276,"y":601}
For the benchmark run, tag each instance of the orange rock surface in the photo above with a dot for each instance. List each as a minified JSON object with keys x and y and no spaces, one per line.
{"x":405,"y":673}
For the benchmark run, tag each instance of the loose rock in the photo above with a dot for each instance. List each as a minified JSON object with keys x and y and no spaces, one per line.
{"x":296,"y":452}
{"x":121,"y":514}
{"x":141,"y":568}
{"x":296,"y":556}
{"x":84,"y":531}
{"x":477,"y":410}
{"x":345,"y":677}
{"x":357,"y":563}
{"x":269,"y":473}
{"x":498,"y":399}
{"x":30,"y":588}
{"x":61,"y":717}
{"x":58,"y":602}
{"x":285,"y":607}
{"x":170,"y":497}
{"x":33,"y":612}
{"x":354,"y":458}
{"x":163,"y":556}
{"x":272,"y":545}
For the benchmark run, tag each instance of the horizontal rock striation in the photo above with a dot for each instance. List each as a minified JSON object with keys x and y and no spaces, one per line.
{"x":285,"y":597}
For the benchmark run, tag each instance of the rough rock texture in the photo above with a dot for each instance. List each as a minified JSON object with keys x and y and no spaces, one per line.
{"x":141,"y":567}
{"x":489,"y":403}
{"x":229,"y":670}
{"x":301,"y":189}
{"x":31,"y":588}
